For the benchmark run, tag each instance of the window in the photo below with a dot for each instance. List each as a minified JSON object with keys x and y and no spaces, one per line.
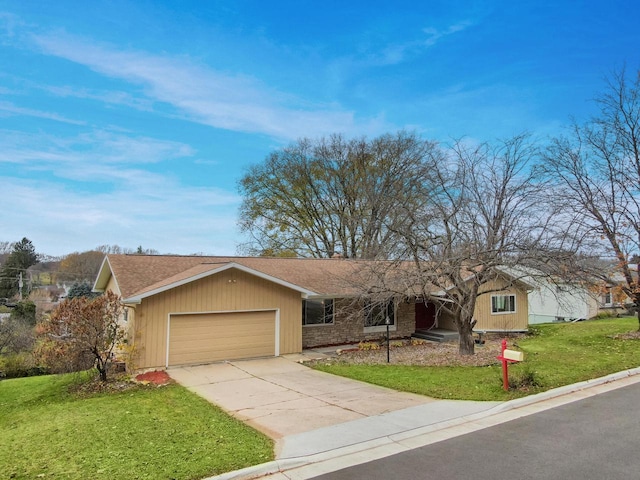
{"x":376,"y":314}
{"x":607,"y":298}
{"x":317,"y":312}
{"x":503,"y":303}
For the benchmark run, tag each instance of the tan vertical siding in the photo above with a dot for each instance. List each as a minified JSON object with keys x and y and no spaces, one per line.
{"x":112,"y":286}
{"x":226,"y":291}
{"x":501,"y":321}
{"x":445,"y":321}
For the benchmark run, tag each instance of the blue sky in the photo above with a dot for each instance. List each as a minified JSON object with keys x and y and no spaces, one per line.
{"x":130,"y":123}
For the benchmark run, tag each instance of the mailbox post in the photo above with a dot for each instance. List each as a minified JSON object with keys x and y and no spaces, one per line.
{"x":505,"y":357}
{"x":387,"y":322}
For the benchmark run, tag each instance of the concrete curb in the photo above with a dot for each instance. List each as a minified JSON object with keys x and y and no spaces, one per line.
{"x":261,"y":470}
{"x":560,"y":391}
{"x":283,"y":465}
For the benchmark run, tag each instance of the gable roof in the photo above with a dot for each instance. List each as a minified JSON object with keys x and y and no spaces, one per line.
{"x":140,"y":276}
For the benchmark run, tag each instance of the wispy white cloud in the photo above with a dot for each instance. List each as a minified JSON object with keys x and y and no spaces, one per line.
{"x":8,"y":24}
{"x":74,"y":193}
{"x":234,"y":102}
{"x":98,"y":155}
{"x":60,"y":220}
{"x":107,"y":97}
{"x":396,"y":53}
{"x":434,"y":35}
{"x":7,"y":108}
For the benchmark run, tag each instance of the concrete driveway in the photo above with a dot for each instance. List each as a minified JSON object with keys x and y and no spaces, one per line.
{"x":281,"y":397}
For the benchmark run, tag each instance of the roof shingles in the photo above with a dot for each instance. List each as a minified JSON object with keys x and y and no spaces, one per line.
{"x":139,"y":274}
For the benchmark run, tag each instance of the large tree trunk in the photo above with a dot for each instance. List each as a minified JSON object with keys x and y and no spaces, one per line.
{"x":466,"y":342}
{"x":465,"y":323}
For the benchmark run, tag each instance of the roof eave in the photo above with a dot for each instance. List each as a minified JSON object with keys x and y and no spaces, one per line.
{"x":136,"y":299}
{"x":102,"y":279}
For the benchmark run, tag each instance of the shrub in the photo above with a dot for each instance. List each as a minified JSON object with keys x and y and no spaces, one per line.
{"x":21,"y":364}
{"x":16,"y":335}
{"x":61,"y":357}
{"x":81,"y":329}
{"x":25,"y":311}
{"x":525,"y":379}
{"x":81,"y":289}
{"x":369,"y":346}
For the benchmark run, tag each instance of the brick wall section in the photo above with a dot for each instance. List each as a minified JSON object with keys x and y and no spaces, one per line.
{"x":348,"y":327}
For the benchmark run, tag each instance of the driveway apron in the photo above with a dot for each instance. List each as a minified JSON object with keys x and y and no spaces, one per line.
{"x":281,"y":397}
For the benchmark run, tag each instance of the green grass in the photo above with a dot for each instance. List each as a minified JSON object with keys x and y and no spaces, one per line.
{"x":155,"y":433}
{"x":559,"y":354}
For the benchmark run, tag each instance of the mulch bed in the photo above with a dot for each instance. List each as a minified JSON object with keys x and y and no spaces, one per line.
{"x":428,"y":354}
{"x":116,"y":383}
{"x":120,"y":382}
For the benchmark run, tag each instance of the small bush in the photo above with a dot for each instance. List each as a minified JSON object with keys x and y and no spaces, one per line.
{"x":396,"y":344}
{"x":369,"y":346}
{"x":418,"y":341}
{"x":59,"y":358}
{"x":16,"y":335}
{"x":25,"y":311}
{"x":21,"y":364}
{"x":525,"y":380}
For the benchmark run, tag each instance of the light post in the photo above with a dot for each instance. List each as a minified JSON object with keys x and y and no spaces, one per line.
{"x":387,"y":322}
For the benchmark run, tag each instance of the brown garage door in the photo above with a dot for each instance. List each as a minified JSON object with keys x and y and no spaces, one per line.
{"x":211,"y":337}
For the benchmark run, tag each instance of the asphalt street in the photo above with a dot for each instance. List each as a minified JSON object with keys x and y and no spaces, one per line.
{"x":594,"y":438}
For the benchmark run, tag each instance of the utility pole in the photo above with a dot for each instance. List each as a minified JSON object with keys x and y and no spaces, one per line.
{"x":20,"y":284}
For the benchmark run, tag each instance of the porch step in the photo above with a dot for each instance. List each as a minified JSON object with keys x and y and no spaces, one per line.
{"x":436,"y":335}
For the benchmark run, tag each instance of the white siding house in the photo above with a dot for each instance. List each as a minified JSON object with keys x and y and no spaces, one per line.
{"x":549,"y":302}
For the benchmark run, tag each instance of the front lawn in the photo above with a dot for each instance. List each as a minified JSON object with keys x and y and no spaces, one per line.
{"x":555,"y":355}
{"x":147,"y":432}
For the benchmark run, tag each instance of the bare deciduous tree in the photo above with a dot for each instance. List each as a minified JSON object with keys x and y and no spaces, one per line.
{"x":80,"y":266}
{"x":333,"y":196}
{"x":483,"y":215}
{"x":5,"y":247}
{"x":596,"y":172}
{"x":16,"y":335}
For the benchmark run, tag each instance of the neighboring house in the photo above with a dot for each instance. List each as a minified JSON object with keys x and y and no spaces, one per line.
{"x":553,"y":299}
{"x":610,"y":294}
{"x":189,"y":310}
{"x":551,"y":302}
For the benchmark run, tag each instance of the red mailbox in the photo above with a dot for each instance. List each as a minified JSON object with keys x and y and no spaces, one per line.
{"x":505,"y":357}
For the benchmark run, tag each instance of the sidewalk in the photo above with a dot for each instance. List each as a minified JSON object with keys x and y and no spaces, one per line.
{"x":332,"y":448}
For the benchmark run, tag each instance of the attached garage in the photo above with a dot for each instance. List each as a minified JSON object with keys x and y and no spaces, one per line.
{"x":197,"y":310}
{"x":211,"y":337}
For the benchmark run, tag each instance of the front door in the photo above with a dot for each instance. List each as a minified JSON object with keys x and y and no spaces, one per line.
{"x":425,"y":315}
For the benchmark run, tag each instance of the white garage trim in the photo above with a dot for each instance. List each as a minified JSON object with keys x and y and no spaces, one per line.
{"x":213,"y":312}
